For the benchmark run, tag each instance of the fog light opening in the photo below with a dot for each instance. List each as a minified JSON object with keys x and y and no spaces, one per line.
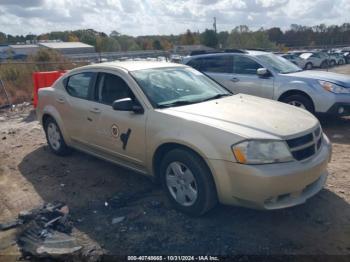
{"x":341,"y":110}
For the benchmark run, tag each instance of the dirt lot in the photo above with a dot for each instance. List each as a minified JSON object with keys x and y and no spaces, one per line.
{"x":97,"y":192}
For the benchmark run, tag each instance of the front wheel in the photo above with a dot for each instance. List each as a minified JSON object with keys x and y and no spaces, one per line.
{"x":188,"y":182}
{"x":54,"y":138}
{"x":300,"y":101}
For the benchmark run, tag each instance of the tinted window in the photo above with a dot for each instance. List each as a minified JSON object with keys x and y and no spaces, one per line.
{"x":195,"y":63}
{"x":218,"y":64}
{"x":79,"y":85}
{"x":110,"y":88}
{"x":245,"y":65}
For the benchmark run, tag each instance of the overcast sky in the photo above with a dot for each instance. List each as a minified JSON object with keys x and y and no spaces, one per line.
{"x":145,"y":17}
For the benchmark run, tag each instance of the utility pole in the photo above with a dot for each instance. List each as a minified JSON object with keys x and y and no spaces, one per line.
{"x":214,"y":24}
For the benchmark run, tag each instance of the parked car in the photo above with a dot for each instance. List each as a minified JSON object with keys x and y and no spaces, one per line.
{"x":316,"y":59}
{"x":295,"y":59}
{"x":270,"y":76}
{"x":346,"y":55}
{"x":183,"y":129}
{"x":336,"y":59}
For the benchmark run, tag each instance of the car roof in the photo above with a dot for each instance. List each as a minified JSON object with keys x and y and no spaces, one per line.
{"x":244,"y":52}
{"x":134,"y":65}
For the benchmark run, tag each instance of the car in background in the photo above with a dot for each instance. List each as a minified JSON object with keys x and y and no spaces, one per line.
{"x":295,"y":59}
{"x":181,"y":128}
{"x":336,"y":59}
{"x":270,"y":76}
{"x":315,"y":59}
{"x":346,"y":55}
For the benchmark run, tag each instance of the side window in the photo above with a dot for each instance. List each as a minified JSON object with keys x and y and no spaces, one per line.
{"x":245,"y":65}
{"x":195,"y":63}
{"x":79,"y":85}
{"x":218,"y":64}
{"x":110,"y":88}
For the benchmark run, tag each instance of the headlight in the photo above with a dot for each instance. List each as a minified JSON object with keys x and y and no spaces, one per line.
{"x":331,"y":87}
{"x":261,"y":152}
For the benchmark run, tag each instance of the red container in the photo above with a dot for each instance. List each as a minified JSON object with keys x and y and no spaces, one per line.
{"x":44,"y":79}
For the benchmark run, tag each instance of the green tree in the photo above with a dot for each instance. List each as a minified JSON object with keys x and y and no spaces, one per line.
{"x":209,"y":38}
{"x":157,"y":45}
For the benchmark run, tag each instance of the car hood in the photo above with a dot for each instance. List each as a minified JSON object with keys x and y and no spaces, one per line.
{"x":335,"y":78}
{"x":249,"y":116}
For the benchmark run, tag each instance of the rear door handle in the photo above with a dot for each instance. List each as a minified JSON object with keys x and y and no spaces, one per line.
{"x":60,"y":100}
{"x":95,"y":110}
{"x":235,"y":79}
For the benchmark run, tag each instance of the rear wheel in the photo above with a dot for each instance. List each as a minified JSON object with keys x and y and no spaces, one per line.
{"x":300,"y":101}
{"x":188,"y":182}
{"x":308,"y":66}
{"x":54,"y":138}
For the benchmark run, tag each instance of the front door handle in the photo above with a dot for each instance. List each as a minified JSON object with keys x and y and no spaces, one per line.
{"x":235,"y":79}
{"x":60,"y":100}
{"x":95,"y":110}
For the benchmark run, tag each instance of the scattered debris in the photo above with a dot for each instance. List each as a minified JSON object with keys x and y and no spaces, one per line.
{"x":45,"y":231}
{"x":117,"y":220}
{"x":155,"y":204}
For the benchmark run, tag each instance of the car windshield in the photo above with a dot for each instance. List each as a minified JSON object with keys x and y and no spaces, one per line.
{"x":279,"y":64}
{"x":167,"y":87}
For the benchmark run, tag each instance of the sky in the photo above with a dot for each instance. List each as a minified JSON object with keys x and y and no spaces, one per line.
{"x":154,"y":17}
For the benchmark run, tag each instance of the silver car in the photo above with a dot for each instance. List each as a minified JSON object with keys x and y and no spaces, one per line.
{"x":270,"y":76}
{"x":295,"y":59}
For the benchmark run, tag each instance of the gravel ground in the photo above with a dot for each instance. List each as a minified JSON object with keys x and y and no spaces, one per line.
{"x":118,"y":212}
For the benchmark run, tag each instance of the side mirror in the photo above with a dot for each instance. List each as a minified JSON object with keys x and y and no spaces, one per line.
{"x":127,"y":104}
{"x":263,"y":72}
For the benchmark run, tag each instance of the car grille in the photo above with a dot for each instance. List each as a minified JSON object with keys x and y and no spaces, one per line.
{"x":306,"y":146}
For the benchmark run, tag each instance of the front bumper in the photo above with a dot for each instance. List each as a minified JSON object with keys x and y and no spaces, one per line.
{"x":331,"y":103}
{"x":340,"y":109}
{"x":271,"y":186}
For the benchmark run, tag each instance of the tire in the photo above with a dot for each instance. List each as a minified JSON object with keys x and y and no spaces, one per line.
{"x":300,"y":99}
{"x":332,"y":63}
{"x":199,"y":180}
{"x":309,"y":66}
{"x":324,"y":64}
{"x":54,"y":138}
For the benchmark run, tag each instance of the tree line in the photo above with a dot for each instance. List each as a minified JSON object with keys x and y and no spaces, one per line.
{"x":239,"y":37}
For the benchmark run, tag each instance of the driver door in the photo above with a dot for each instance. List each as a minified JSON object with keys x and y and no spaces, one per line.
{"x":246,"y":81}
{"x":120,"y":134}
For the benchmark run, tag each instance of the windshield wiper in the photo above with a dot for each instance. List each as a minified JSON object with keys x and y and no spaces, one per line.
{"x":176,"y":103}
{"x":215,"y":97}
{"x":187,"y":102}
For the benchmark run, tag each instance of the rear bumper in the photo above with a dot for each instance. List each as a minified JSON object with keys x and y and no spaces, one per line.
{"x":271,"y":186}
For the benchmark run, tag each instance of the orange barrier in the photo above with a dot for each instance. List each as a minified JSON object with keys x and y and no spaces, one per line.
{"x":44,"y":79}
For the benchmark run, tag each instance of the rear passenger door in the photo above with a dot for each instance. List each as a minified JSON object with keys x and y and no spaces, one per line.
{"x":120,"y":134}
{"x":74,"y":105}
{"x":246,"y":79}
